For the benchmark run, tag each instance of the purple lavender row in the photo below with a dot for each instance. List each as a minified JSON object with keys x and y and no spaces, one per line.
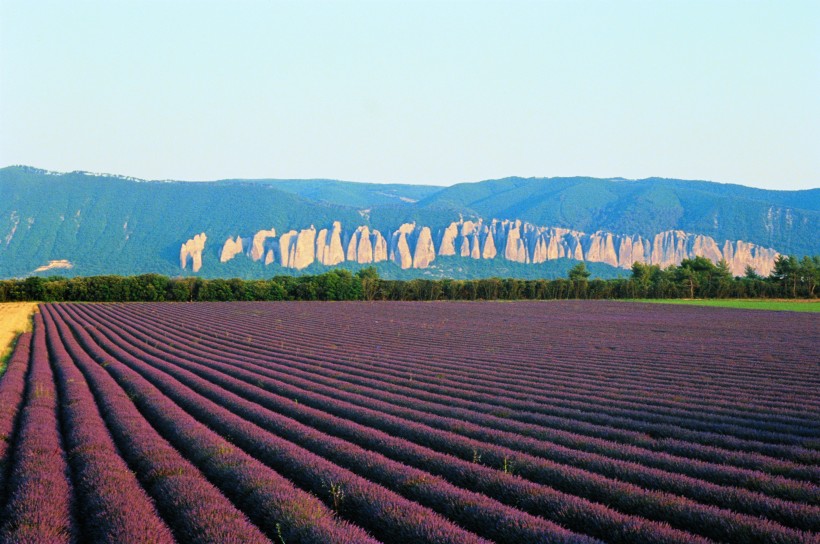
{"x":712,"y":522}
{"x":193,"y":508}
{"x":643,"y":368}
{"x":400,"y":370}
{"x":12,"y":389}
{"x":577,"y":512}
{"x":390,"y":517}
{"x":525,"y":386}
{"x":570,"y":511}
{"x":270,"y":500}
{"x":431,"y":379}
{"x":639,"y":437}
{"x":719,"y":434}
{"x":39,"y":506}
{"x":111,"y":506}
{"x":495,"y":430}
{"x":701,"y":324}
{"x":588,"y":517}
{"x":631,"y":419}
{"x":618,"y":351}
{"x":788,"y":513}
{"x":529,"y":439}
{"x":775,"y":486}
{"x":784,"y":460}
{"x":631,"y":472}
{"x":474,"y":511}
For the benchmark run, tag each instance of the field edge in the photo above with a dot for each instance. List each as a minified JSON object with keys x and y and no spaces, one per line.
{"x":780,"y":305}
{"x":9,"y":336}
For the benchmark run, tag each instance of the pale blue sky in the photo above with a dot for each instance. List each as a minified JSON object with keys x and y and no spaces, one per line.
{"x":420,"y":92}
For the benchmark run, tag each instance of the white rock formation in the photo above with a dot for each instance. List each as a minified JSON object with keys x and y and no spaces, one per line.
{"x":258,"y":244}
{"x":304,"y":251}
{"x":193,"y":249}
{"x":424,"y":252}
{"x":400,"y":248}
{"x":329,"y":250}
{"x":230,"y":249}
{"x":414,"y":246}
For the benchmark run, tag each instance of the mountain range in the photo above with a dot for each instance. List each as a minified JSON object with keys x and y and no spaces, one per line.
{"x":80,"y":223}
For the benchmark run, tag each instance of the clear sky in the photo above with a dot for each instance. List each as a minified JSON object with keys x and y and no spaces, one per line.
{"x":414,"y":91}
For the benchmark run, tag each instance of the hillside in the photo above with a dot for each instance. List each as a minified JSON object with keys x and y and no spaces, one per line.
{"x":347,"y":193}
{"x":81,"y":223}
{"x":785,"y":220}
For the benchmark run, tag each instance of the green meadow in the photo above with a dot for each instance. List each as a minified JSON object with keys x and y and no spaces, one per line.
{"x":744,"y":304}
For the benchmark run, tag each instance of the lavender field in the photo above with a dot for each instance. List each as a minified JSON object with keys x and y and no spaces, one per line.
{"x":411,"y":422}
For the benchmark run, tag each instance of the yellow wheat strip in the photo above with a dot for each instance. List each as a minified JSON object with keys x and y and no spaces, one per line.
{"x":15,"y":317}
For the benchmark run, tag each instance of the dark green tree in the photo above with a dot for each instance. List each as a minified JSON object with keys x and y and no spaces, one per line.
{"x":751,"y":274}
{"x":369,"y":278}
{"x":809,"y":272}
{"x":34,"y":288}
{"x":786,"y":272}
{"x":641,"y":280}
{"x":579,"y":277}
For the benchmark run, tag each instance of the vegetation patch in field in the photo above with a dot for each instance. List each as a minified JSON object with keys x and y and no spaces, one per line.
{"x":15,"y":318}
{"x":778,"y":305}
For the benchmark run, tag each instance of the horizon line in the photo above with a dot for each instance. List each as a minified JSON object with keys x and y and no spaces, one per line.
{"x":273,"y":179}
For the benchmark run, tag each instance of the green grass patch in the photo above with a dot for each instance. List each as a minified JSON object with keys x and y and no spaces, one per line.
{"x":744,"y":304}
{"x":6,"y":355}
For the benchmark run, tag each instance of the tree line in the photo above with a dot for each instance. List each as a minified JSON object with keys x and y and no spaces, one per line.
{"x":693,"y":278}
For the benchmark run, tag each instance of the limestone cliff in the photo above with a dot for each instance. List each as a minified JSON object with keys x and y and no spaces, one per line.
{"x":425,"y":252}
{"x":230,"y":249}
{"x":297,"y":249}
{"x":365,"y":246}
{"x":448,"y":240}
{"x":287,"y":240}
{"x":414,"y":246}
{"x":526,"y":243}
{"x":516,"y":248}
{"x":329,"y":250}
{"x":255,"y":248}
{"x":379,"y":247}
{"x":304,"y":252}
{"x":193,"y":249}
{"x":601,"y":249}
{"x":741,"y":254}
{"x":400,"y":246}
{"x":488,"y":250}
{"x":258,"y":246}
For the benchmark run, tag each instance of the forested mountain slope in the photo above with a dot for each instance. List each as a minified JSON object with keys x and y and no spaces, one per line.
{"x":98,"y":224}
